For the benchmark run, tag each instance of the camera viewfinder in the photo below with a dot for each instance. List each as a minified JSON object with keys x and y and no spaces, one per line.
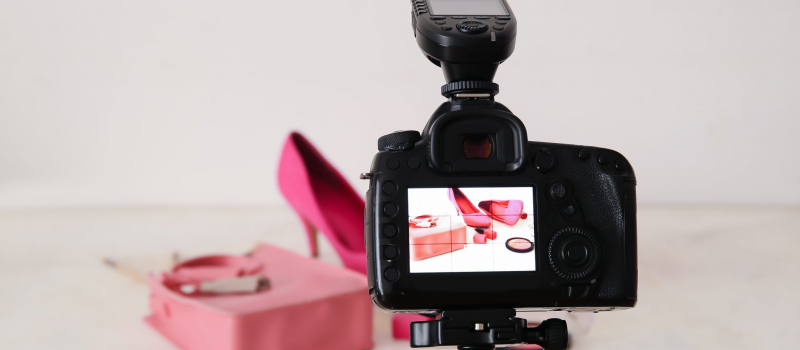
{"x":477,"y":146}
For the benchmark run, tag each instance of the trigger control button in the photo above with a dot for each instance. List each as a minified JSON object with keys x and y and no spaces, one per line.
{"x":391,"y":209}
{"x":393,"y":163}
{"x":389,"y":188}
{"x":391,"y":274}
{"x":545,"y":161}
{"x":390,"y":231}
{"x":575,"y":291}
{"x":390,"y":252}
{"x":558,"y":191}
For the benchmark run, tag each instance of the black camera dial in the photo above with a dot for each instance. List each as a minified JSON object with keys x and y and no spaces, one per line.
{"x":399,"y":141}
{"x":574,"y":253}
{"x":472,"y":26}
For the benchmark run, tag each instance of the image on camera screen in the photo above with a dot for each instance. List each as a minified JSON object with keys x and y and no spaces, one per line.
{"x":471,"y":229}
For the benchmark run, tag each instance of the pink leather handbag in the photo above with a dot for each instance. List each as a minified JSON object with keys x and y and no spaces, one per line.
{"x":309,"y":305}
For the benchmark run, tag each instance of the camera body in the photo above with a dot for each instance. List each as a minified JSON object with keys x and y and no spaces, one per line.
{"x":470,"y":215}
{"x":583,"y":199}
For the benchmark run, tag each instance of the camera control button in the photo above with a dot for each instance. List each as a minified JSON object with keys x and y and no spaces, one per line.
{"x":391,"y":274}
{"x":482,"y":17}
{"x":499,"y":27}
{"x":414,"y":163}
{"x":393,"y":163}
{"x":390,"y":230}
{"x":577,"y":253}
{"x":391,"y":209}
{"x":390,"y":252}
{"x":447,"y":28}
{"x":504,"y":18}
{"x":440,"y":22}
{"x":459,"y":17}
{"x":620,"y":164}
{"x":472,"y":26}
{"x":603,"y":159}
{"x":545,"y":161}
{"x":575,"y":291}
{"x":570,"y":210}
{"x":389,"y":188}
{"x":437,"y":18}
{"x":501,"y":22}
{"x":558,"y":191}
{"x":584,"y":154}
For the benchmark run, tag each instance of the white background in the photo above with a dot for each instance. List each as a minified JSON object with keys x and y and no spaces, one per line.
{"x":187,"y":102}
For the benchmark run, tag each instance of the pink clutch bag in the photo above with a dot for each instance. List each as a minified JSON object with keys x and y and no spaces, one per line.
{"x":308,"y":305}
{"x":431,"y":236}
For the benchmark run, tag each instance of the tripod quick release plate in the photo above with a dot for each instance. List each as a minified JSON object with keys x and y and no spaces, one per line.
{"x":483,"y":329}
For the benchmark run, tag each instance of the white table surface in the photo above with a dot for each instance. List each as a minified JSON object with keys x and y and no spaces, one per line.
{"x":709,"y":277}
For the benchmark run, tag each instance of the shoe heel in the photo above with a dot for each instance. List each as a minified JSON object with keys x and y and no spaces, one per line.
{"x":311,"y":233}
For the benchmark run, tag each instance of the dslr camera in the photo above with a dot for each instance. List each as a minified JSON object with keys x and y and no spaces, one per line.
{"x":471,"y":221}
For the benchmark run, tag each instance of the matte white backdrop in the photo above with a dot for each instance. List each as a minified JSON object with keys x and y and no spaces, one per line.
{"x":187,"y":102}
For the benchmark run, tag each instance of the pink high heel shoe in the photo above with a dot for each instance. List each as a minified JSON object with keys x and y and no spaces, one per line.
{"x":508,"y":212}
{"x":472,"y":216}
{"x":324,"y":200}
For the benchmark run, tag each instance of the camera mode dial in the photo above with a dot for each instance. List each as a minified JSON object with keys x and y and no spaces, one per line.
{"x":472,"y":27}
{"x":399,"y":141}
{"x":574,"y":253}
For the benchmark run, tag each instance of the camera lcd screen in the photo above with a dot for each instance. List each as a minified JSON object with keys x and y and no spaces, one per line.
{"x":471,"y":229}
{"x":468,"y":7}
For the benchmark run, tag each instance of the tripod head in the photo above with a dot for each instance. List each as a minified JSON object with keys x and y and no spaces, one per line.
{"x":468,"y":40}
{"x":483,"y":329}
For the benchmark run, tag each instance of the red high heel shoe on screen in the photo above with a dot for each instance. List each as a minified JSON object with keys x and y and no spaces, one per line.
{"x":472,"y":216}
{"x":324,"y":200}
{"x":508,"y":212}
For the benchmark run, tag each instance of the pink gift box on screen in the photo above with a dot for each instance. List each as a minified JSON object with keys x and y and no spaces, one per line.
{"x":309,"y":305}
{"x":430,"y":236}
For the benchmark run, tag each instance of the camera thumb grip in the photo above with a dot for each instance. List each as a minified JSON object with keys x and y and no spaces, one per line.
{"x":550,"y":335}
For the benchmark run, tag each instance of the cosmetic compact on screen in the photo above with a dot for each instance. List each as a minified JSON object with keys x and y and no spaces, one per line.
{"x":468,"y":7}
{"x":471,"y":229}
